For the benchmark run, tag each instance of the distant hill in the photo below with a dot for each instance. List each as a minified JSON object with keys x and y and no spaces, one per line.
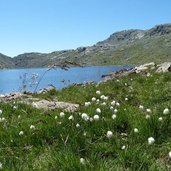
{"x":121,"y":48}
{"x":6,"y":62}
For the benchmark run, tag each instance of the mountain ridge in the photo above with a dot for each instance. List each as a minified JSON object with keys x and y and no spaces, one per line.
{"x":120,"y":48}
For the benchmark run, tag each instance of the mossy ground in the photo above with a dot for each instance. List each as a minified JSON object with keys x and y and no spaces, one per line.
{"x":57,"y":144}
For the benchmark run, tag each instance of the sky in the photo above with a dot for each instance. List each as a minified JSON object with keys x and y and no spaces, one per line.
{"x":51,"y":25}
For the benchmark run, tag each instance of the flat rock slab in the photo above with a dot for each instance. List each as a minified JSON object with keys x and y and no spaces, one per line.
{"x":40,"y":104}
{"x":49,"y":105}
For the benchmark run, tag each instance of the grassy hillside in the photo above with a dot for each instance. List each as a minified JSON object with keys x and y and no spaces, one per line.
{"x":6,"y":62}
{"x":144,"y":50}
{"x":33,"y":139}
{"x":156,"y":49}
{"x":121,"y":48}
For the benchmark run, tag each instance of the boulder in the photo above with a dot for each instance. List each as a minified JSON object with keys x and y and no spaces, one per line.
{"x":49,"y":105}
{"x":164,"y":67}
{"x":144,"y":67}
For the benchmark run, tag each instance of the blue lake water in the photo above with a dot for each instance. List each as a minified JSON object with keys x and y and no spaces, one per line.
{"x":14,"y":80}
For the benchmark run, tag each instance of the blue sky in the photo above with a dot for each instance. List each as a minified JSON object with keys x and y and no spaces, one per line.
{"x":50,"y":25}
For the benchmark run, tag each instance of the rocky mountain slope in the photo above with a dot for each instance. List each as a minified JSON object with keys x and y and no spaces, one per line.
{"x":121,"y":48}
{"x":6,"y":62}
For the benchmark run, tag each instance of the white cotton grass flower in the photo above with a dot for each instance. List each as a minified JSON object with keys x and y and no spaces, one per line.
{"x":2,"y":119}
{"x":85,"y":134}
{"x":82,"y":161}
{"x":87,"y":104}
{"x":85,"y":117}
{"x":32,"y":127}
{"x":103,"y":97}
{"x":1,"y":167}
{"x":77,"y":125}
{"x":147,"y":116}
{"x":0,"y":111}
{"x":124,"y":134}
{"x":91,"y":119}
{"x":148,"y":110}
{"x":151,"y":140}
{"x":62,"y":114}
{"x":21,"y":133}
{"x":113,"y":116}
{"x":113,"y":103}
{"x":106,"y":98}
{"x":141,"y":107}
{"x":116,"y":110}
{"x":169,"y":154}
{"x":160,"y":119}
{"x":71,"y":117}
{"x":97,"y":101}
{"x":117,"y":104}
{"x":98,"y":92}
{"x":96,"y":117}
{"x":98,"y":110}
{"x":103,"y":104}
{"x":126,"y":99}
{"x":19,"y":116}
{"x":126,"y":84}
{"x":148,"y":74}
{"x":136,"y":130}
{"x":166,"y":111}
{"x":111,"y":108}
{"x":56,"y":117}
{"x":93,"y":99}
{"x":15,"y":107}
{"x":109,"y":134}
{"x":123,"y":147}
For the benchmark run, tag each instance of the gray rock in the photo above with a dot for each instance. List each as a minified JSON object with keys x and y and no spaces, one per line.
{"x":144,"y":67}
{"x":164,"y":67}
{"x":13,"y":96}
{"x":49,"y":105}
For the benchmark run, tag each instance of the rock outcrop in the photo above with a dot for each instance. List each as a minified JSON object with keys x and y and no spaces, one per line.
{"x":144,"y":67}
{"x":49,"y":105}
{"x":27,"y":98}
{"x":164,"y":67}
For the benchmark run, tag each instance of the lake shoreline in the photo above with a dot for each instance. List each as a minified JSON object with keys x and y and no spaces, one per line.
{"x":16,"y":80}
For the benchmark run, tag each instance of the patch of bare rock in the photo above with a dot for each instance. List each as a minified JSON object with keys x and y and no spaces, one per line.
{"x":162,"y":68}
{"x":45,"y":104}
{"x":27,"y":98}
